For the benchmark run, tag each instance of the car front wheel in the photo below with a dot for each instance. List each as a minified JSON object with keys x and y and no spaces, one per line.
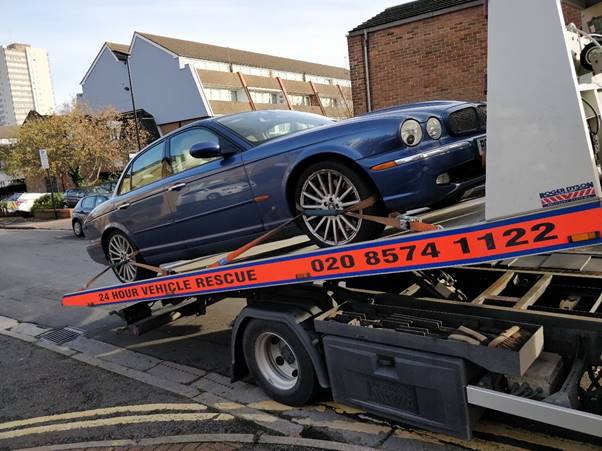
{"x":332,"y":185}
{"x":120,"y":253}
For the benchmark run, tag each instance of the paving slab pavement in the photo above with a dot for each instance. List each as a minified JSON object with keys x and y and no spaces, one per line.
{"x":19,"y":223}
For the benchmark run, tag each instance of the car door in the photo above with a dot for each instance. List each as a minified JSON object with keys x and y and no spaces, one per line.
{"x":213,"y":201}
{"x":141,"y":204}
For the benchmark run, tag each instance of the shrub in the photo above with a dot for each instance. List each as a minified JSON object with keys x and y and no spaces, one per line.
{"x":45,"y":202}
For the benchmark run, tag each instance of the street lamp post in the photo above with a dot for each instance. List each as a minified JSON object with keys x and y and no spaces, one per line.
{"x":131,"y":89}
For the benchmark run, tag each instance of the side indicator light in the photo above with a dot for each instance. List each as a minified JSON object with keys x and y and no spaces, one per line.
{"x":262,"y":198}
{"x":587,"y":236}
{"x":383,"y":166}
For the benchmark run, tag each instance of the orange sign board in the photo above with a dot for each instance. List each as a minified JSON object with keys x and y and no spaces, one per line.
{"x":528,"y":235}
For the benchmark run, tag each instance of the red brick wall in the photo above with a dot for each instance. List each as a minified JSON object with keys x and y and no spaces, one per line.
{"x":443,"y":57}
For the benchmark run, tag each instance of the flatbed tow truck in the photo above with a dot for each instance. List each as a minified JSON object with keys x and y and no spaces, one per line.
{"x":431,"y":328}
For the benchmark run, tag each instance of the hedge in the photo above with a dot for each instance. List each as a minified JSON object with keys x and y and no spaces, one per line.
{"x":45,"y":202}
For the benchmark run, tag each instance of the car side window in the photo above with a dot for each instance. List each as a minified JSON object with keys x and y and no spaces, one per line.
{"x":100,"y":200}
{"x":180,"y":144}
{"x":88,"y":203}
{"x":148,"y":167}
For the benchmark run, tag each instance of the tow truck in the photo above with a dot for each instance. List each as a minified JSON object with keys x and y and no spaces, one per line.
{"x":432,"y":327}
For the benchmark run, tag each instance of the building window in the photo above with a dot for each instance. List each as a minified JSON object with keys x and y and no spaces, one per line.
{"x":261,"y":97}
{"x":220,"y":94}
{"x":287,"y":75}
{"x":329,"y":102}
{"x":318,"y":79}
{"x":299,"y":100}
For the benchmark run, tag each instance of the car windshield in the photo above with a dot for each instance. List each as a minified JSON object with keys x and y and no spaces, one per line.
{"x":260,"y":126}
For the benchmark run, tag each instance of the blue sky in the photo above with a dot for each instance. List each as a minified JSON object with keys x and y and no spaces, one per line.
{"x":73,"y":31}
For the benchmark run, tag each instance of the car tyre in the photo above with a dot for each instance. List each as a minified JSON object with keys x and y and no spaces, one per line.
{"x":78,"y":229}
{"x":344,"y":187}
{"x":279,"y":363}
{"x":119,"y":249}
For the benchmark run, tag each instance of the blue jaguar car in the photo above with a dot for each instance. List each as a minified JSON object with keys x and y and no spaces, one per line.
{"x":218,"y":183}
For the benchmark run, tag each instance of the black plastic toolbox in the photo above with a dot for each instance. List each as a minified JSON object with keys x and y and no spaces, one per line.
{"x":418,"y":388}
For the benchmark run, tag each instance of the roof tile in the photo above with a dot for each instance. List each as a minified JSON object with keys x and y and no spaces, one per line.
{"x":198,"y":50}
{"x":409,"y":10}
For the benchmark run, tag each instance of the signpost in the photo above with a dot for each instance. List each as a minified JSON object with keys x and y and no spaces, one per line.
{"x":46,"y":165}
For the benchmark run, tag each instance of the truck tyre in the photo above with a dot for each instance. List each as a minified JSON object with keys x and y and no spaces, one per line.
{"x":279,"y":363}
{"x":334,"y":185}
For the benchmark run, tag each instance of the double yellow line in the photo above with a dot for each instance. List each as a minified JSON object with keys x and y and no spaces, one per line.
{"x":89,"y":418}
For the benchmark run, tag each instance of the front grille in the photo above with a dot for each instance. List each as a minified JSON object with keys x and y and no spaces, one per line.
{"x":464,"y":121}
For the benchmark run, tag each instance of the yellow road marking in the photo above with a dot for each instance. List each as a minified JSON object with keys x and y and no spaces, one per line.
{"x":531,"y":437}
{"x":264,"y":417}
{"x":228,"y":405}
{"x":270,"y":405}
{"x":474,"y":444}
{"x":101,"y":412}
{"x":341,"y":408}
{"x":115,"y":421}
{"x":354,"y":426}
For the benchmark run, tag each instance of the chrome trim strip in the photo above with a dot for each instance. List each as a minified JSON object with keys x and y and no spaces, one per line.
{"x":574,"y":420}
{"x":429,"y":154}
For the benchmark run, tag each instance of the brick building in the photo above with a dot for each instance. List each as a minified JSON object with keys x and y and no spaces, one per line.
{"x":423,"y":50}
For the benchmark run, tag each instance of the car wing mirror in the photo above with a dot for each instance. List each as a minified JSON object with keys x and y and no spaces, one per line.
{"x":206,"y":150}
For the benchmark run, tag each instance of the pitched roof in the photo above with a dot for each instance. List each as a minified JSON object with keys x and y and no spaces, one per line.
{"x":409,"y":11}
{"x":121,"y":48}
{"x":121,"y":51}
{"x":198,"y":50}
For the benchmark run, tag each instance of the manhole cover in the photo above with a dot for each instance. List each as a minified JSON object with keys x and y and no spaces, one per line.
{"x":61,"y":336}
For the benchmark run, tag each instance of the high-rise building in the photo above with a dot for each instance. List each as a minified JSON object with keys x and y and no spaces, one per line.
{"x":25,"y":83}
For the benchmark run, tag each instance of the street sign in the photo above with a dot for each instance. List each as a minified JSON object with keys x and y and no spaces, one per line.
{"x":44,"y":159}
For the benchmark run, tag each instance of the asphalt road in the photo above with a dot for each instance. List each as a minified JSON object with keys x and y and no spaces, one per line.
{"x":37,"y":383}
{"x":37,"y":267}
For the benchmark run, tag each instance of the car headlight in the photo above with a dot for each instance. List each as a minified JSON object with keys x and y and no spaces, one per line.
{"x":411,"y":132}
{"x":434,"y":128}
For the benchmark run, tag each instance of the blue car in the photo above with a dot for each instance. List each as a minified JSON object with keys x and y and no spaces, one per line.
{"x":218,"y":183}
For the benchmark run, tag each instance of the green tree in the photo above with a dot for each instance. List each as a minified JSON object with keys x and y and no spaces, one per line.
{"x":81,"y":144}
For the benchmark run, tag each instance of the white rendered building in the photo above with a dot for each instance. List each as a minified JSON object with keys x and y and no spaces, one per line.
{"x":25,"y":83}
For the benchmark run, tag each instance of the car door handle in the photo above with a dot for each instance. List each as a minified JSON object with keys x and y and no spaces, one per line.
{"x":176,"y":187}
{"x":123,"y":206}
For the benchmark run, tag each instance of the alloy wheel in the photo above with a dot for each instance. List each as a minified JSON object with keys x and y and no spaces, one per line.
{"x":276,"y":361}
{"x":328,"y":189}
{"x":121,"y":253}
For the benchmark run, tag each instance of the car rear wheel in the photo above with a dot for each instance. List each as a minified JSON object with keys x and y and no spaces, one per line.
{"x":334,"y":185}
{"x":120,"y":253}
{"x":78,"y":230}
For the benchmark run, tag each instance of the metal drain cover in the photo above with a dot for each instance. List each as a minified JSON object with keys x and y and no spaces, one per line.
{"x":61,"y":336}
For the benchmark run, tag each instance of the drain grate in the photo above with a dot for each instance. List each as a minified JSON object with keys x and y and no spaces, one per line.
{"x":61,"y":336}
